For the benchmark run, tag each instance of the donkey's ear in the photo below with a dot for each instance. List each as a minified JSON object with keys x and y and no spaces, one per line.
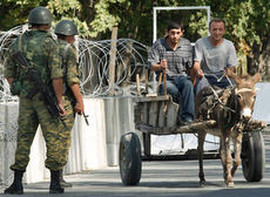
{"x":256,"y":78}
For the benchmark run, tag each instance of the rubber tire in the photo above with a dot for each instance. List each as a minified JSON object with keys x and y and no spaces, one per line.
{"x":253,"y":156}
{"x":130,"y":162}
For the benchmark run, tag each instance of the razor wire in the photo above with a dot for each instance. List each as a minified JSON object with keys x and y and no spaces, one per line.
{"x":94,"y":64}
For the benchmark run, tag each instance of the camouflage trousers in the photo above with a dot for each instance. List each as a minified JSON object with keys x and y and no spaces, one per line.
{"x":56,"y":135}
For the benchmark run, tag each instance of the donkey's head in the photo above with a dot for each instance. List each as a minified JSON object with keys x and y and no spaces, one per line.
{"x":245,"y":93}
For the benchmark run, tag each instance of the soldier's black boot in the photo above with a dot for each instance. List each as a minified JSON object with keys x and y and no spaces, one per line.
{"x":16,"y":187}
{"x":63,"y":183}
{"x":55,"y":187}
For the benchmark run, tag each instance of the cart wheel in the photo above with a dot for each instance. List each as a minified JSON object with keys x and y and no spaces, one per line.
{"x":253,"y":156}
{"x":130,"y":159}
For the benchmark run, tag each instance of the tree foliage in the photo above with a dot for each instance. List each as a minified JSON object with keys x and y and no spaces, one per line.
{"x":248,"y":21}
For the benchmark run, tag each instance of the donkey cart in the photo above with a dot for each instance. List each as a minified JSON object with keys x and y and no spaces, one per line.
{"x":158,"y":116}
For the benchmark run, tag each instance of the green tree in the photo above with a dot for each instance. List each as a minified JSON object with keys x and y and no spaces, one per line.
{"x":15,"y":12}
{"x":72,"y":10}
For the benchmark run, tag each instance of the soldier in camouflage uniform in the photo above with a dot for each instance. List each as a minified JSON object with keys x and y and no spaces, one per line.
{"x":66,"y":31}
{"x":42,"y":54}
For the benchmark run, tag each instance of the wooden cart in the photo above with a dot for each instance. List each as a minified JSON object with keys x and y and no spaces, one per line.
{"x":157,"y":115}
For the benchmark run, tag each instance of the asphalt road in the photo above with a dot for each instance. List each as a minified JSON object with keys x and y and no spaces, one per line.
{"x":161,"y":178}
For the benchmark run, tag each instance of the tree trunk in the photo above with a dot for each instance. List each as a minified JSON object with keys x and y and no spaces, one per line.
{"x":264,"y":60}
{"x":260,"y":59}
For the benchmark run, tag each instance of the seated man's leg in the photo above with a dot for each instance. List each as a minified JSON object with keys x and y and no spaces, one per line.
{"x":171,"y":89}
{"x":185,"y":86}
{"x":200,"y":84}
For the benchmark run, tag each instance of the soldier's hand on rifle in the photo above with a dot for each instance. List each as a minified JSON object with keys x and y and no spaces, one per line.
{"x":58,"y":89}
{"x":79,"y":108}
{"x":62,"y":109}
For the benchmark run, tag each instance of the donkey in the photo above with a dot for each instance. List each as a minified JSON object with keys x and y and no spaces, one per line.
{"x":231,"y":108}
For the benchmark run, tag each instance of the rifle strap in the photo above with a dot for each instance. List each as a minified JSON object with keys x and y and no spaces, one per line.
{"x":65,"y":54}
{"x":20,"y":50}
{"x":24,"y":67}
{"x":20,"y":43}
{"x":64,"y":68}
{"x":64,"y":60}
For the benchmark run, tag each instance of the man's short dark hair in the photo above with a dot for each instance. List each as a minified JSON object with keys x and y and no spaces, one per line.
{"x":61,"y":37}
{"x":217,"y":20}
{"x":174,"y":25}
{"x":37,"y":26}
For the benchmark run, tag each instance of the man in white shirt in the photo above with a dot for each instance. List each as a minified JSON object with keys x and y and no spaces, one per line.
{"x":214,"y":56}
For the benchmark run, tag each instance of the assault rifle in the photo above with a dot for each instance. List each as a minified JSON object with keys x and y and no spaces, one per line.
{"x":47,"y":92}
{"x":85,"y":118}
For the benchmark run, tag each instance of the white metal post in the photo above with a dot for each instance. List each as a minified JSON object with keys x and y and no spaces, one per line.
{"x":155,"y":9}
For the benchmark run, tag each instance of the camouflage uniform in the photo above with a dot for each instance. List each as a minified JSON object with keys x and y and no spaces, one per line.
{"x":42,"y":54}
{"x":69,"y":56}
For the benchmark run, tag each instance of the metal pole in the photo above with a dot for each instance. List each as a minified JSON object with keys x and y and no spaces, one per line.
{"x":155,"y":9}
{"x":155,"y":25}
{"x":208,"y":19}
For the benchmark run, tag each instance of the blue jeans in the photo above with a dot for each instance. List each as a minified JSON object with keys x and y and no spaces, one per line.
{"x":209,"y":80}
{"x":181,"y":87}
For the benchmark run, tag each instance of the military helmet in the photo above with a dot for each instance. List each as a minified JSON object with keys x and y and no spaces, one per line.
{"x":66,"y":27}
{"x":40,"y":16}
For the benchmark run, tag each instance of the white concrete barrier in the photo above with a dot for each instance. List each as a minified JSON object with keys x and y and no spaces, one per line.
{"x":107,"y":117}
{"x":8,"y":126}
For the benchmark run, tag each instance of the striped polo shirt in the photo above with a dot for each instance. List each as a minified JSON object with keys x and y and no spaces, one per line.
{"x":178,"y":61}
